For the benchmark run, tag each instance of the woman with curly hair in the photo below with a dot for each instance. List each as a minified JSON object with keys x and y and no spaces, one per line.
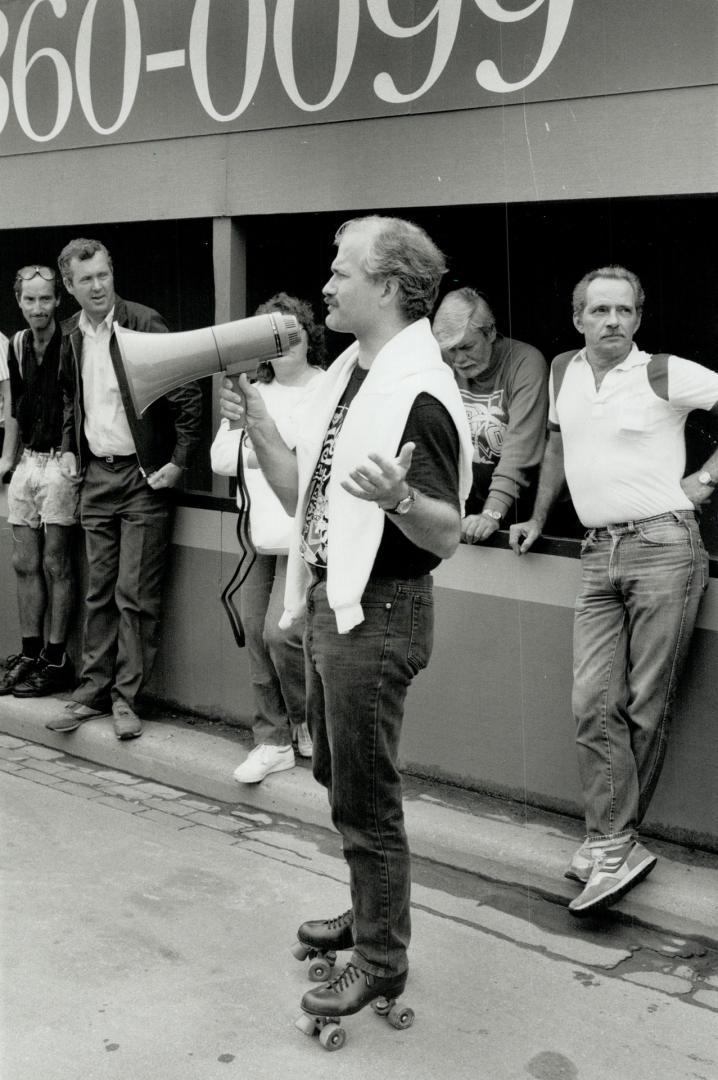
{"x":276,"y":657}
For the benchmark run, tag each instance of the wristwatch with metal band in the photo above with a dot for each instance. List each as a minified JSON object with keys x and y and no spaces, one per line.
{"x":404,"y":505}
{"x":494,"y":514}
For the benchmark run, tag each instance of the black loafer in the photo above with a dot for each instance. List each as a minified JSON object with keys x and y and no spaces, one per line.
{"x":127,"y":723}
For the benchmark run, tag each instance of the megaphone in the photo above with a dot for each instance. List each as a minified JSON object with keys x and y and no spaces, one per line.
{"x":156,"y":363}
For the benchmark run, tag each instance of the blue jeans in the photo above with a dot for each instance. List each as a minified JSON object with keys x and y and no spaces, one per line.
{"x":356,"y":688}
{"x":642,"y":583}
{"x":276,"y":657}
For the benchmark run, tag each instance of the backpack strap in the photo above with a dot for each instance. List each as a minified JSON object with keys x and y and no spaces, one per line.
{"x":17,"y":342}
{"x":658,"y":375}
{"x":559,"y":367}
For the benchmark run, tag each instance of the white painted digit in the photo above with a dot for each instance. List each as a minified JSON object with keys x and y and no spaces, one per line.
{"x":347,"y":34}
{"x":4,"y":92}
{"x":133,"y":63}
{"x":446,"y":13}
{"x":557,"y":19}
{"x":21,"y":69}
{"x":256,"y":45}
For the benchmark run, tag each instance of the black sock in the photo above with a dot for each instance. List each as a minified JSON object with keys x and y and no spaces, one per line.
{"x":31,"y":647}
{"x":54,"y":652}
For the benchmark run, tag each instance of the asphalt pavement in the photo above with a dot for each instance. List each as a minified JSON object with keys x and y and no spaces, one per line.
{"x":499,"y":840}
{"x":147,"y":932}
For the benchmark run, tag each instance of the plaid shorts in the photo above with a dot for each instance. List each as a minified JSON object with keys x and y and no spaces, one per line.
{"x":39,"y":494}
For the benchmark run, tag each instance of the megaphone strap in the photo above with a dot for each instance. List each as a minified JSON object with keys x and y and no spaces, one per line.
{"x":247,"y":552}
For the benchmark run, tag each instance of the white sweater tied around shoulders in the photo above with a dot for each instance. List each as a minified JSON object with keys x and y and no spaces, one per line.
{"x":408,"y":365}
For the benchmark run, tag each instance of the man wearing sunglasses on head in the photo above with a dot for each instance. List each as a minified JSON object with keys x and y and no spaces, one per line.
{"x":42,"y":501}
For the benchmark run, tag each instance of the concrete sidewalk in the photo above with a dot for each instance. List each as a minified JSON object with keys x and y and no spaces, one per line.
{"x":498,"y":840}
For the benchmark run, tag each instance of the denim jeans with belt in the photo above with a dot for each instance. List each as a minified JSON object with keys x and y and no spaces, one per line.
{"x":276,"y":657}
{"x":356,"y":689}
{"x":642,"y":583}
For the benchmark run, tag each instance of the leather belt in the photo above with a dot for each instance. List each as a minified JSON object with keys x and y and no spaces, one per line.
{"x":115,"y":459}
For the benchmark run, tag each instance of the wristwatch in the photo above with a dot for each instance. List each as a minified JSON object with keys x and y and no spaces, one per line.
{"x":404,"y":505}
{"x":494,"y":514}
{"x":705,"y":477}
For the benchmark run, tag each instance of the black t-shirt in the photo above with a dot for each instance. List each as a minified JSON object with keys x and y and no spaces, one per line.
{"x":434,"y":471}
{"x":37,"y":394}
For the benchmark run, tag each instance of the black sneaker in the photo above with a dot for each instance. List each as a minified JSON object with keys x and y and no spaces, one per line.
{"x":46,"y":679}
{"x":17,"y":668}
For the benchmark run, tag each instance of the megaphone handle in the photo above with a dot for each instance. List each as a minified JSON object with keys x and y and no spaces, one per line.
{"x":235,"y":425}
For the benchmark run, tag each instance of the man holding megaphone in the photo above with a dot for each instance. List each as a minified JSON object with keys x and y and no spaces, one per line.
{"x":127,"y":465}
{"x":376,"y":487}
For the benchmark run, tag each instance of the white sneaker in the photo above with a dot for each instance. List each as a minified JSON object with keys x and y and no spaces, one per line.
{"x":581,"y":864}
{"x":615,"y":871}
{"x":303,"y":740}
{"x":262,"y":761}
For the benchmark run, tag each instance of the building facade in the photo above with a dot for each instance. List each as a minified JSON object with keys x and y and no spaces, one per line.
{"x":216,"y":146}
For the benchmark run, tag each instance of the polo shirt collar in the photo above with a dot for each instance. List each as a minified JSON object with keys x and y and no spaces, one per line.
{"x":635,"y":358}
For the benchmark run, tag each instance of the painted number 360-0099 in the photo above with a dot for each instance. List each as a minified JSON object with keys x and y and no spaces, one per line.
{"x":25,"y":64}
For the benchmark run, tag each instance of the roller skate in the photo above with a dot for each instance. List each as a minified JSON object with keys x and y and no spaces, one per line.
{"x":348,"y":993}
{"x":320,"y":940}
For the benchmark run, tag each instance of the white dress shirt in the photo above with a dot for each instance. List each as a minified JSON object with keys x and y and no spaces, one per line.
{"x":106,"y":426}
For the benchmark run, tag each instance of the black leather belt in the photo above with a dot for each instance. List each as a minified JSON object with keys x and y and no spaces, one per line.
{"x":115,"y":459}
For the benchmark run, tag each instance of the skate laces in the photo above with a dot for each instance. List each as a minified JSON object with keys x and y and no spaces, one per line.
{"x":344,"y":979}
{"x":340,"y":921}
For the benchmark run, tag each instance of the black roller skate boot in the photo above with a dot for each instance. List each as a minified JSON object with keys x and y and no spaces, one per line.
{"x":320,"y":940}
{"x":348,"y":993}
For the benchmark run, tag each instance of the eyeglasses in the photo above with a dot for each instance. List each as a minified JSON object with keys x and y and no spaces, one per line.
{"x":29,"y":272}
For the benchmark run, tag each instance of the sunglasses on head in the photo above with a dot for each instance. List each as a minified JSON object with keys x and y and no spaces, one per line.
{"x":29,"y":272}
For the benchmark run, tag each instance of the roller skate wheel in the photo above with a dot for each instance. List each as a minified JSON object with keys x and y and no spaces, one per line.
{"x":306,"y":1024}
{"x":381,"y":1006}
{"x":400,"y":1016}
{"x":299,"y":951}
{"x":332,"y":1037}
{"x":319,"y":970}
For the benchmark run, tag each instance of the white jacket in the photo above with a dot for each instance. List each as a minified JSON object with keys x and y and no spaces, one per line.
{"x":269,"y":524}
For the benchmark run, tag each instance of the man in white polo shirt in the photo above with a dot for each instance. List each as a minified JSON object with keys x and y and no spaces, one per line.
{"x":616,"y":437}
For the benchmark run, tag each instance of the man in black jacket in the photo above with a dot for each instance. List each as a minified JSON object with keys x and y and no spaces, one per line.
{"x":128,"y":466}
